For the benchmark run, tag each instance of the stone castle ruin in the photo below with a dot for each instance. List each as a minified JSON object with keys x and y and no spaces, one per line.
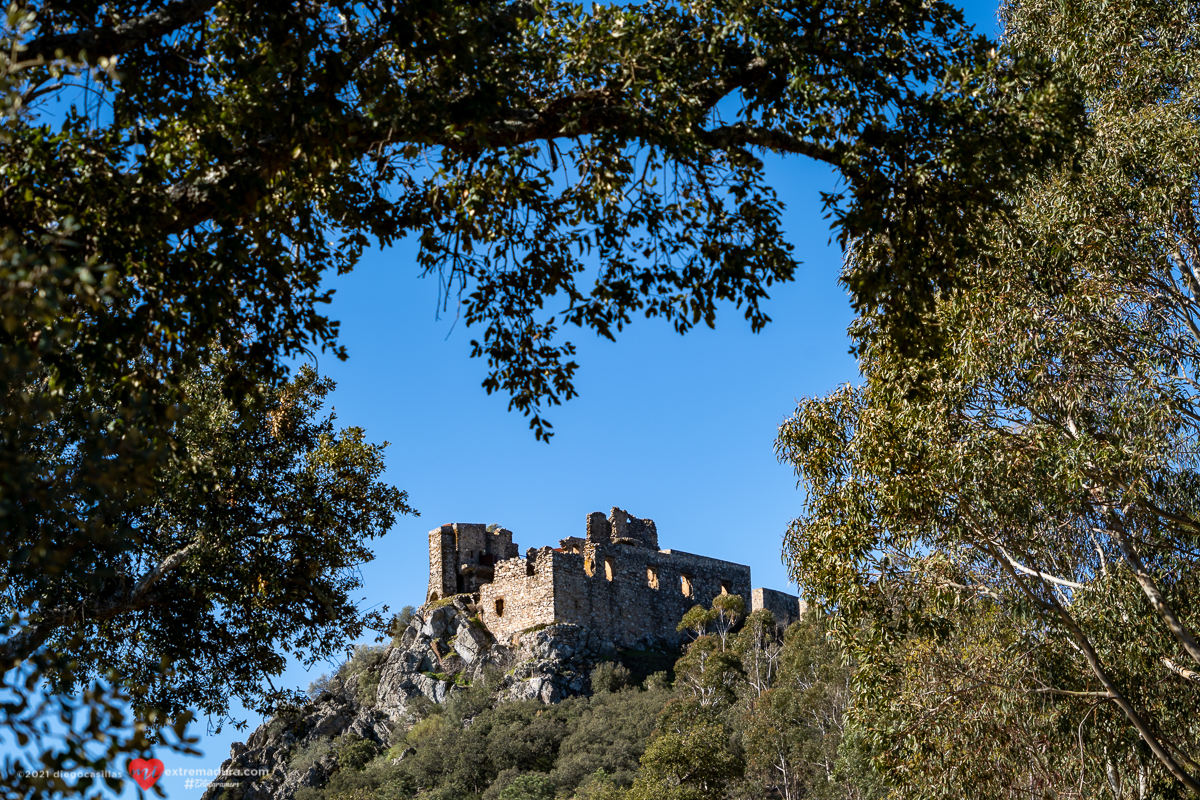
{"x":531,"y":628}
{"x":614,"y":581}
{"x":539,"y":624}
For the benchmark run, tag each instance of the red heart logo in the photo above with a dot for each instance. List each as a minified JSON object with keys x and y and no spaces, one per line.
{"x":145,"y":771}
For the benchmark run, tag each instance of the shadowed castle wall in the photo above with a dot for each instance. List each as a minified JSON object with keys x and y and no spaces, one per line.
{"x":787,"y":608}
{"x":631,"y":593}
{"x":463,"y":557}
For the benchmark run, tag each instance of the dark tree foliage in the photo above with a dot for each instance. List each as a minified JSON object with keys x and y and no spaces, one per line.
{"x":244,"y":554}
{"x":246,"y":558}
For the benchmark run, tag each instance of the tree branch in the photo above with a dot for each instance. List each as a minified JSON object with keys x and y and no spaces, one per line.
{"x":737,"y":78}
{"x":1043,"y":575}
{"x":96,"y":42}
{"x":166,"y":565}
{"x":777,"y":141}
{"x":1182,"y":672}
{"x":25,"y":643}
{"x":1084,"y":646}
{"x":1150,"y":588}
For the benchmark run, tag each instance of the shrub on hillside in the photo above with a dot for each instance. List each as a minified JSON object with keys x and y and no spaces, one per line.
{"x":530,"y":786}
{"x":319,"y":686}
{"x":608,"y":732}
{"x":365,"y":656}
{"x":310,"y":754}
{"x":609,"y":677}
{"x":354,"y":752}
{"x":399,"y":623}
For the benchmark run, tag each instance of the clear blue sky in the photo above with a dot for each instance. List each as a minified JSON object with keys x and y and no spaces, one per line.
{"x":677,"y":429}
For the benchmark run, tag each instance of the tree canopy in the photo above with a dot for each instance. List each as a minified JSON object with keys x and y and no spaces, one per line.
{"x":1012,"y":548}
{"x":245,"y":554}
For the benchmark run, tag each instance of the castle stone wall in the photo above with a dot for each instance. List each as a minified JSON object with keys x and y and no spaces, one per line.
{"x":633,"y":594}
{"x":521,"y":595}
{"x":786,"y":607}
{"x":615,"y":582}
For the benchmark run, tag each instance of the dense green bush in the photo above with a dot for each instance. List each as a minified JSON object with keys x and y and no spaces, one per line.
{"x":610,"y":677}
{"x":354,"y":752}
{"x":378,"y":781}
{"x":531,"y":786}
{"x":599,"y":786}
{"x":609,"y":732}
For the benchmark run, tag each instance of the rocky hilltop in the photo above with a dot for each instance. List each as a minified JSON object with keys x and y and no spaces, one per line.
{"x":380,"y":693}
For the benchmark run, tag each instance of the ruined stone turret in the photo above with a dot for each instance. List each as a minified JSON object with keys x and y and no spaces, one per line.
{"x":621,"y":527}
{"x":463,"y":557}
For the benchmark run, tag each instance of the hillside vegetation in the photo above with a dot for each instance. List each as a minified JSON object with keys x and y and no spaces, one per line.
{"x":748,"y":710}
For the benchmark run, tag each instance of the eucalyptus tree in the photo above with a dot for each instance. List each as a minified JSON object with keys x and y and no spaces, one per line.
{"x":792,"y":730}
{"x":1009,"y":530}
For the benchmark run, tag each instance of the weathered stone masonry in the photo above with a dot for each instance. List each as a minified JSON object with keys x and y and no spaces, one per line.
{"x":615,"y":581}
{"x":463,"y":556}
{"x":781,"y":604}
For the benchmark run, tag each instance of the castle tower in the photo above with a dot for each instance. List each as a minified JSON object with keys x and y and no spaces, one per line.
{"x":463,"y":556}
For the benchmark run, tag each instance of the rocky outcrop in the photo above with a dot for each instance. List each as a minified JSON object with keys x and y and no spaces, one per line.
{"x":444,"y":646}
{"x":554,"y":663}
{"x":271,"y":751}
{"x":443,"y":649}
